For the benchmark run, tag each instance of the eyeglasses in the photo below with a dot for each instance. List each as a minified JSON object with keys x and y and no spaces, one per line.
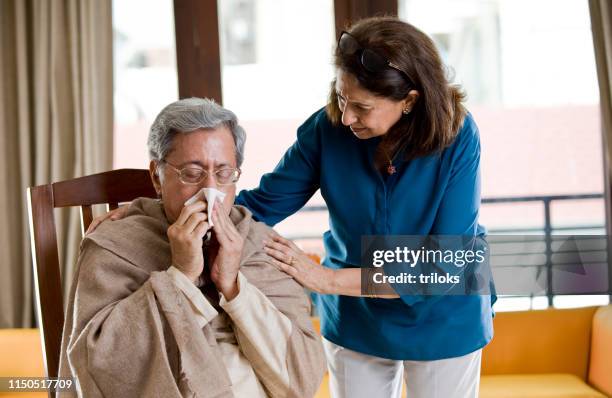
{"x":192,"y":175}
{"x":369,"y":59}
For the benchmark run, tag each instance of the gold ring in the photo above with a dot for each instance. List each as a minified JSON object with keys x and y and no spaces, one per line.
{"x":291,"y":260}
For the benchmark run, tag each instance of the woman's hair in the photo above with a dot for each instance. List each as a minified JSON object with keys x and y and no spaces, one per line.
{"x":438,"y":112}
{"x":187,"y":115}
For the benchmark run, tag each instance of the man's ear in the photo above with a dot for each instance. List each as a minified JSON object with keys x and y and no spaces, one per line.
{"x":410,"y":100}
{"x":153,"y":172}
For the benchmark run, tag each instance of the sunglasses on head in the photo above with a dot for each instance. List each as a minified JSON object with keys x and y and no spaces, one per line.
{"x":369,"y":59}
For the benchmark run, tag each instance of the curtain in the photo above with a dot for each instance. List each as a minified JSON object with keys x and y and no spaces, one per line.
{"x":601,"y":27}
{"x":56,"y":120}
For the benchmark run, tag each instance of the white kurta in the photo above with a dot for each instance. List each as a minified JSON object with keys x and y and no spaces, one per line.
{"x":251,"y":323}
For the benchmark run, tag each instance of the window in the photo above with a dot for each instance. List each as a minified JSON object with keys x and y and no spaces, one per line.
{"x":532,"y":89}
{"x":276,"y":70}
{"x":145,"y":74}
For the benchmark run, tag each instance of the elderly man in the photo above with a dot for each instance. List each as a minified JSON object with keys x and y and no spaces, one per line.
{"x":168,"y":302}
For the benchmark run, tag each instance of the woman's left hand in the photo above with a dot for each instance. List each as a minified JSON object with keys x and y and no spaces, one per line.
{"x":292,"y":260}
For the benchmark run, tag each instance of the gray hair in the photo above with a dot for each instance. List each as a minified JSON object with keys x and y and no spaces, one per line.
{"x":187,"y":115}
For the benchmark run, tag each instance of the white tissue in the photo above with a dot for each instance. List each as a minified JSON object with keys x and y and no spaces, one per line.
{"x":209,"y":195}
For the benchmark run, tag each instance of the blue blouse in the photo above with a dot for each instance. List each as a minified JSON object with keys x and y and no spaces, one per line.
{"x":437,"y":194}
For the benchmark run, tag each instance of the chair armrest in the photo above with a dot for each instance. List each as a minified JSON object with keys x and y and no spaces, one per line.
{"x":600,"y":369}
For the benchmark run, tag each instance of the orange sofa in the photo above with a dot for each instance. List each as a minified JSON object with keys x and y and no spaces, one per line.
{"x":21,"y":356}
{"x":545,"y":354}
{"x":534,"y":354}
{"x":549,"y":353}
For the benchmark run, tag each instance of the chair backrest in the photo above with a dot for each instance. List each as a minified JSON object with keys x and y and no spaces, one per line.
{"x":111,"y":188}
{"x":540,"y":341}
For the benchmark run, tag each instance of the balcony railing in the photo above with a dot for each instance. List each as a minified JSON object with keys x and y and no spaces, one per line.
{"x":546,"y":228}
{"x":546,"y":200}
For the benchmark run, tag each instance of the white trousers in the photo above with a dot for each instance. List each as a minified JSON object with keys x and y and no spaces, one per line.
{"x":356,"y":375}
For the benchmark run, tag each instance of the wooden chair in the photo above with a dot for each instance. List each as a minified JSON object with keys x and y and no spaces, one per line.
{"x":111,"y":188}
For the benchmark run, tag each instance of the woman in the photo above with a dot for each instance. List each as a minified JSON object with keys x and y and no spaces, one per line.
{"x":394,"y":152}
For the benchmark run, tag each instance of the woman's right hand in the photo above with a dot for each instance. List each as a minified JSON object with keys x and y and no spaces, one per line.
{"x":185,"y":236}
{"x":112,"y":215}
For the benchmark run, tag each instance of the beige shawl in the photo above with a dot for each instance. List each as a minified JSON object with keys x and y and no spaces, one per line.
{"x":129,"y":331}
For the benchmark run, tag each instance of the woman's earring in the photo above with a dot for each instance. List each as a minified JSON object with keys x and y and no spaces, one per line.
{"x":406,"y":111}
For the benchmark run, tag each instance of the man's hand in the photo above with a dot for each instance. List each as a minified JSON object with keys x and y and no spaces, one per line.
{"x":186,"y":236}
{"x":226,"y":263}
